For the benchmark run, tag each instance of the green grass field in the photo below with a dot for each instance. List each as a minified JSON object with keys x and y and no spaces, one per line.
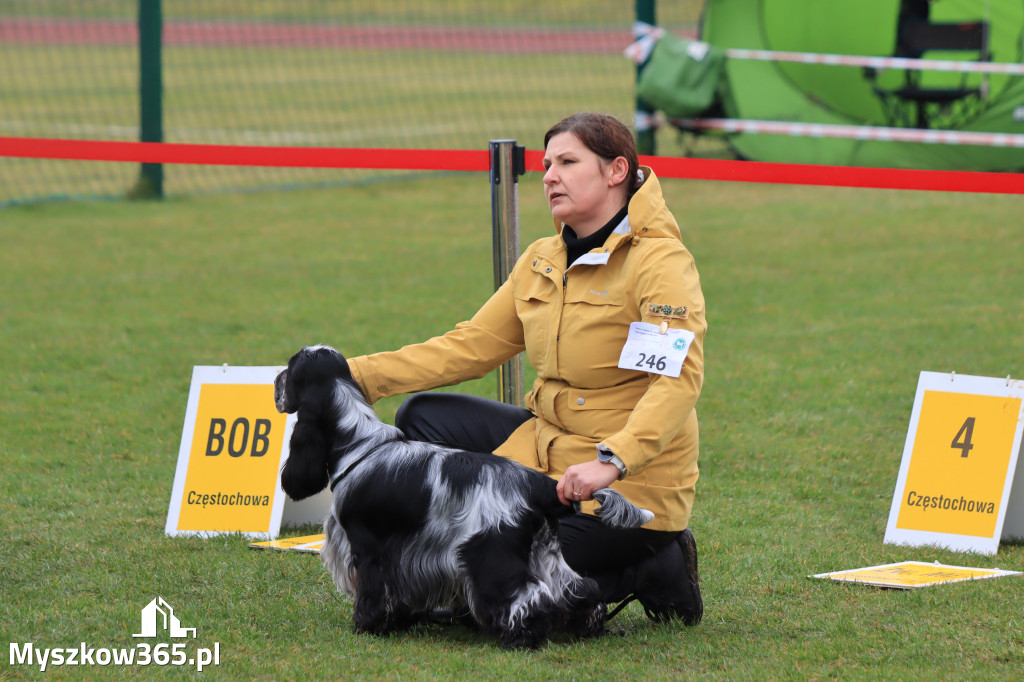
{"x":824,"y":305}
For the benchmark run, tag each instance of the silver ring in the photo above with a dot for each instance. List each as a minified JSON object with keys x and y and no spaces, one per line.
{"x":577,"y":494}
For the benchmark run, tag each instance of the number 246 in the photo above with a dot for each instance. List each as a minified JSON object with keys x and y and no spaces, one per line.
{"x":652,"y":361}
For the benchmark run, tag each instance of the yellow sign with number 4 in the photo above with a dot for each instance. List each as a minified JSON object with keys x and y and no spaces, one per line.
{"x":959,"y":464}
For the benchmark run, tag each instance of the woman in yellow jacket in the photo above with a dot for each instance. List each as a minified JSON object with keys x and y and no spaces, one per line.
{"x":611,"y":315}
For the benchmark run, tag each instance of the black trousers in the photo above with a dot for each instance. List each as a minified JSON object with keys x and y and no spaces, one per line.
{"x":480,"y":425}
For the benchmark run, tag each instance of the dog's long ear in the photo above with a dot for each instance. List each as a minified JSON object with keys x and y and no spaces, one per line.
{"x":305,"y":471}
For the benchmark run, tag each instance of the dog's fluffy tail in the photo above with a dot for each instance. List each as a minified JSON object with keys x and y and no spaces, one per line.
{"x":618,"y":512}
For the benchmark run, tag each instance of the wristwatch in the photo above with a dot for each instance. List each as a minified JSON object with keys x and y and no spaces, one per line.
{"x":607,"y":456}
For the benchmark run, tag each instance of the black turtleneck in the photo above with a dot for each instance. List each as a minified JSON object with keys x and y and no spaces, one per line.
{"x":577,"y":246}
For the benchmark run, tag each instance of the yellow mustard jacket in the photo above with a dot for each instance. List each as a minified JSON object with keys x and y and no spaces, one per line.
{"x":573,"y":324}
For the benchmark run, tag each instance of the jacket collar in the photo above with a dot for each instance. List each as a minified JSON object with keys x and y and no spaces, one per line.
{"x":648,"y":215}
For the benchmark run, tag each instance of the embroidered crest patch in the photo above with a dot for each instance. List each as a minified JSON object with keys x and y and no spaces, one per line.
{"x":677,"y":312}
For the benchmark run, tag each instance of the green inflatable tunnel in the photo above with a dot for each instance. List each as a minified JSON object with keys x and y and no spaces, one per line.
{"x":962,"y":30}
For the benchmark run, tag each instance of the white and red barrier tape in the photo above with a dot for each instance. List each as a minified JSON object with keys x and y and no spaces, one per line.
{"x":647,"y":35}
{"x":877,"y":62}
{"x":852,"y":132}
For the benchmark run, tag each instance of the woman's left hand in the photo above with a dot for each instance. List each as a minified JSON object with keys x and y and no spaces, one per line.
{"x":581,"y":480}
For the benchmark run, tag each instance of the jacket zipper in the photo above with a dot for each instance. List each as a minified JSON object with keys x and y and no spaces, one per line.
{"x":565,"y":284}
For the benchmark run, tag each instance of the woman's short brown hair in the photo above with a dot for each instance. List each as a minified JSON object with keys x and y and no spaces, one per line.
{"x":607,"y":137}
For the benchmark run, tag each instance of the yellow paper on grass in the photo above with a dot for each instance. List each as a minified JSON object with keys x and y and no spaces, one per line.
{"x":912,"y":574}
{"x":305,"y":543}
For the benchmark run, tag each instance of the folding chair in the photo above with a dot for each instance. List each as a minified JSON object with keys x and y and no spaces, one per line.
{"x":926,"y":97}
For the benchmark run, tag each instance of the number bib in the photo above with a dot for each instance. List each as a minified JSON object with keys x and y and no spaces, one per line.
{"x":648,"y":350}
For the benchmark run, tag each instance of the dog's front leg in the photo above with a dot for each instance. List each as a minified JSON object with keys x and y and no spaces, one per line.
{"x":370,"y":613}
{"x":378,"y":608}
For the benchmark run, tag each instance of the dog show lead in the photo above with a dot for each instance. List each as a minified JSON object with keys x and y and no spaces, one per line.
{"x":611,"y":314}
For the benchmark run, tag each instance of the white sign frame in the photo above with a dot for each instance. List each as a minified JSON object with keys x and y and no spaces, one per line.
{"x":284,"y":511}
{"x":1010,"y":518}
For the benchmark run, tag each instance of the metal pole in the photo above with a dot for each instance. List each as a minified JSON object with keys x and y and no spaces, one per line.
{"x":645,"y":12}
{"x":508,"y":162}
{"x":151,"y":125}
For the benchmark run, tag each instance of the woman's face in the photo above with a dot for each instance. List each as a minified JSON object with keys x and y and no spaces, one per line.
{"x":583,"y":190}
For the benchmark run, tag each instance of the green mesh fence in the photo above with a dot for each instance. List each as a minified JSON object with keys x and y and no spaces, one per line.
{"x":403,"y":74}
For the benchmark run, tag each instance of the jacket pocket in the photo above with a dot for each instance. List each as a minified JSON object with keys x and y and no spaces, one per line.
{"x":537,"y":299}
{"x":598,"y":413}
{"x":539,"y":286}
{"x":622,"y":397}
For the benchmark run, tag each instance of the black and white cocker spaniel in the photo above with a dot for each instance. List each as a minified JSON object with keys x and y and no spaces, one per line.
{"x":416,"y":527}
